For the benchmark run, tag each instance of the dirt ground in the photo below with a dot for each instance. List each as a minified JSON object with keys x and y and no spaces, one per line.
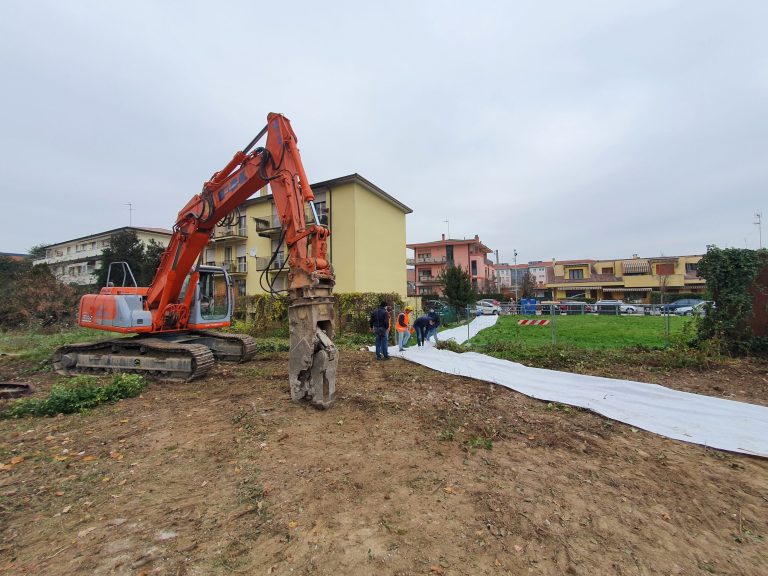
{"x":411,"y":472}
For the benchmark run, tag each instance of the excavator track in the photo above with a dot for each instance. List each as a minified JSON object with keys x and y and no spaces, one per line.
{"x":227,"y":347}
{"x":154,"y":358}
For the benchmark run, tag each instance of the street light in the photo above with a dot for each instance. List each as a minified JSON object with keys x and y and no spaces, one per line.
{"x":517,"y":278}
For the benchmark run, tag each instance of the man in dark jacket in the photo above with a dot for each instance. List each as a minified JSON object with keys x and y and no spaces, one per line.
{"x":422,"y":326}
{"x":435,"y":317}
{"x":379,"y":324}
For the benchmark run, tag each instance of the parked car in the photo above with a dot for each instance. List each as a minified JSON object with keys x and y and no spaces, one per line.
{"x":670,"y":307}
{"x":486,"y":307}
{"x":436,"y":305}
{"x":609,"y":307}
{"x":575,"y":307}
{"x":699,"y":309}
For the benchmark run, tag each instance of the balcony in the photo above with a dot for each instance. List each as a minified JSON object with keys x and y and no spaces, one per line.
{"x":421,"y":260}
{"x":429,"y":280}
{"x":275,"y":266}
{"x":223,"y":233}
{"x":268,"y":227}
{"x":235,"y":267}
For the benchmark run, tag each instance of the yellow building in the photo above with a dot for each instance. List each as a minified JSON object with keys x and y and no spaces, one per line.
{"x":628,"y":279}
{"x":366,"y":248}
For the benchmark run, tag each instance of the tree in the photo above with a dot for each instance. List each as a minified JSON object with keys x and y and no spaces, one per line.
{"x":152,"y":253}
{"x":457,"y":287}
{"x":37,"y":252}
{"x":529,"y":285}
{"x":125,"y":246}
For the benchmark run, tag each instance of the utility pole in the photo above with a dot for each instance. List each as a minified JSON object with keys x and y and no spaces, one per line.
{"x":130,"y":213}
{"x":517,"y":278}
{"x":759,"y":224}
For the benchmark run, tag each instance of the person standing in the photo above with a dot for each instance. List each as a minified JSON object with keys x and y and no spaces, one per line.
{"x":389,"y":323}
{"x":435,"y":317}
{"x":403,"y":327}
{"x":422,"y":326}
{"x":379,"y":325}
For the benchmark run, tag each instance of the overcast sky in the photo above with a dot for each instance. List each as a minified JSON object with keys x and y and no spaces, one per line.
{"x":590,"y":129}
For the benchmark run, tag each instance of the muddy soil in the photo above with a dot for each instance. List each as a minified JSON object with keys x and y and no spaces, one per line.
{"x":411,"y":472}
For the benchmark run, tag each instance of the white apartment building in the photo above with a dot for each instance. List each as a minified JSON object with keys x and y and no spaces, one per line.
{"x":76,"y":261}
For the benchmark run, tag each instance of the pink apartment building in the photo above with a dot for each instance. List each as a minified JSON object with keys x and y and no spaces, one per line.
{"x":431,"y":258}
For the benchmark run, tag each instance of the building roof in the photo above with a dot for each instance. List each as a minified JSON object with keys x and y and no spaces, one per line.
{"x":14,"y":255}
{"x":349,"y":179}
{"x":370,"y":186}
{"x":446,"y":241}
{"x":574,"y":262}
{"x":110,"y":232}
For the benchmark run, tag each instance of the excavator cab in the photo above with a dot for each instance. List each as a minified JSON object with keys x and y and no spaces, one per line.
{"x":213,"y":301}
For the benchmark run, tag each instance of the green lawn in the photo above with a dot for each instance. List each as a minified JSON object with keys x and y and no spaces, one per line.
{"x":38,"y":345}
{"x":587,"y":331}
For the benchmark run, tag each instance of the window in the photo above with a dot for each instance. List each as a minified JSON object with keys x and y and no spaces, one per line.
{"x":425,"y":273}
{"x":242,"y":265}
{"x":240,"y":287}
{"x":322,"y":212}
{"x":242,"y":226}
{"x":576,"y":274}
{"x":425,"y":255}
{"x":608,"y":270}
{"x":691,"y":266}
{"x":666,"y":269}
{"x":474,"y":267}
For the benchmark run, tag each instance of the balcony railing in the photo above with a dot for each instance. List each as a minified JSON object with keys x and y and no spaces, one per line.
{"x":424,"y":260}
{"x":429,"y":279}
{"x":269,"y":223}
{"x":235,"y":266}
{"x":222,"y":232}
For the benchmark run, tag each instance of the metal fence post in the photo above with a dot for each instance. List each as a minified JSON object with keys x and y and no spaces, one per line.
{"x":554,"y":324}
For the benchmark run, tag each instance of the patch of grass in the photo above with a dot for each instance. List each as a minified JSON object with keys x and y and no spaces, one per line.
{"x":79,"y":394}
{"x":273,"y":344}
{"x":576,"y":359}
{"x":353,"y":340}
{"x":589,"y":332}
{"x":452,"y":346}
{"x":480,"y":442}
{"x":38,"y":345}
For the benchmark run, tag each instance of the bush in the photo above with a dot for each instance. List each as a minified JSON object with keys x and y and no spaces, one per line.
{"x":79,"y":394}
{"x":32,"y":295}
{"x":263,"y":314}
{"x":731,"y":275}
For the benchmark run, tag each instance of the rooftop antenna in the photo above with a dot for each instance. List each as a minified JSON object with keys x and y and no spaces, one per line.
{"x":130,"y":213}
{"x":759,"y":224}
{"x":449,"y":227}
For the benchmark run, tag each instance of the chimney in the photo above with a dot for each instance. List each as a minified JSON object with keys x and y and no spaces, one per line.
{"x":477,"y":237}
{"x":443,"y":237}
{"x":497,"y":257}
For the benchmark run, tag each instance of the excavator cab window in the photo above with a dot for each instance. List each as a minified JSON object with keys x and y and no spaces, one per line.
{"x":214,"y":295}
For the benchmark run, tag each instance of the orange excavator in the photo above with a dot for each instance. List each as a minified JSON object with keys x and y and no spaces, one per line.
{"x":175,"y":320}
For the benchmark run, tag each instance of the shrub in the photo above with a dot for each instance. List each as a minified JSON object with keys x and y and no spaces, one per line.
{"x":79,"y":394}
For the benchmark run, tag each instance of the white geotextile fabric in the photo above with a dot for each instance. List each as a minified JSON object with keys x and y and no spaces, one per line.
{"x":713,"y":422}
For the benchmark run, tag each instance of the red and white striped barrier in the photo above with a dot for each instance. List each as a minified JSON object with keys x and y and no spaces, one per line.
{"x":533,"y":322}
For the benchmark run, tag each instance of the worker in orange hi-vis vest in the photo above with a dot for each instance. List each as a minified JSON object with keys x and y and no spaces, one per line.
{"x":403,"y":327}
